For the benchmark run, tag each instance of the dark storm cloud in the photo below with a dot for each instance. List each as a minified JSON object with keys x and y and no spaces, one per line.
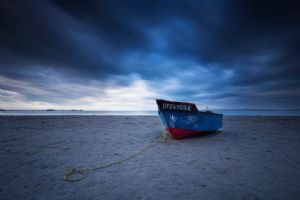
{"x":36,"y":33}
{"x":237,"y":50}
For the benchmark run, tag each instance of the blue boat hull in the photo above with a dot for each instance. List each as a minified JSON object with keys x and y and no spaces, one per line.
{"x":183,"y":124}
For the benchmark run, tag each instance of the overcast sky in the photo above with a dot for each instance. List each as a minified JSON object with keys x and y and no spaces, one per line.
{"x":121,"y":55}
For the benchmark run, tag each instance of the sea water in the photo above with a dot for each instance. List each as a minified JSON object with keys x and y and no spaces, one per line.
{"x":226,"y":112}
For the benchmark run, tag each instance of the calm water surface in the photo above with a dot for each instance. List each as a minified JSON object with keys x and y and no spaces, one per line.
{"x":226,"y":112}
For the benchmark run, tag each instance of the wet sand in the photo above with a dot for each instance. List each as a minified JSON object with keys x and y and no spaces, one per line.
{"x":252,"y":158}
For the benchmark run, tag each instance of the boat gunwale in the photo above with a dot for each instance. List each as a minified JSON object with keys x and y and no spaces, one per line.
{"x":192,"y":113}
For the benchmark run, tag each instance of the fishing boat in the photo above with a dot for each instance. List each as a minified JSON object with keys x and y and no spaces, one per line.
{"x":183,"y":119}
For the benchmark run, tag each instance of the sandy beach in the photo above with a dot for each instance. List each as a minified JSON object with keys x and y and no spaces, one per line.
{"x":251,"y":158}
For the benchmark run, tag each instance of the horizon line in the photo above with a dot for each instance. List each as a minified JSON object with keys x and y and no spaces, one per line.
{"x":82,"y":110}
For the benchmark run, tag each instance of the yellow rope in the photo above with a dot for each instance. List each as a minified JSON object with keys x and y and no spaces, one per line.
{"x":83,"y":172}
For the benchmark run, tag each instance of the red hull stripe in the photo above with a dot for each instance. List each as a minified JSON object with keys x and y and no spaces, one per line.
{"x":178,"y":133}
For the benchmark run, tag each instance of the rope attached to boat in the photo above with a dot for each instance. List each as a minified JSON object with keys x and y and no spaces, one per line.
{"x":70,"y":171}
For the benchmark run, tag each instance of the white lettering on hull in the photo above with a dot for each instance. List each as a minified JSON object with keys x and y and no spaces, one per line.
{"x":170,"y":106}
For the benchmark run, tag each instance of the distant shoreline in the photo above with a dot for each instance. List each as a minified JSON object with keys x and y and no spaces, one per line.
{"x":225,"y":112}
{"x":81,"y":110}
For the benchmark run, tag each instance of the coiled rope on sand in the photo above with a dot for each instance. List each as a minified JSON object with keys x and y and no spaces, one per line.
{"x":70,"y":171}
